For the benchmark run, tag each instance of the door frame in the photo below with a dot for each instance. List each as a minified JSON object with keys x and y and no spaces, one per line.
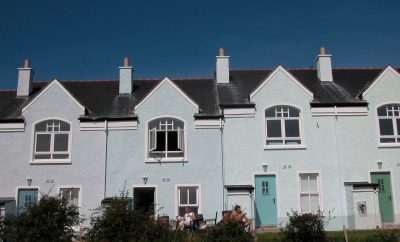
{"x":157,"y":205}
{"x":394,"y":197}
{"x":17,"y":188}
{"x":254,"y":174}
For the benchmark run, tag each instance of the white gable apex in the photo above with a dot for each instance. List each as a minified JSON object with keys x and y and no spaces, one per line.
{"x":271,"y":76}
{"x":55,"y":82}
{"x":383,"y":73}
{"x":166,"y":80}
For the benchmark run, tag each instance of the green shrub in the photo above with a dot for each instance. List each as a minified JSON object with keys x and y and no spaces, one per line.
{"x":51,"y":219}
{"x":118,"y":222}
{"x":233,"y":231}
{"x":305,"y":227}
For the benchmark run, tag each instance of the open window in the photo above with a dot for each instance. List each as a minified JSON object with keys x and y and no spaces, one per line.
{"x":166,"y":138}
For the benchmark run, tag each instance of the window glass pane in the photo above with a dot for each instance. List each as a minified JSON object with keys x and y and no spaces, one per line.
{"x":41,"y":126}
{"x":193,"y":195}
{"x":304,"y":203}
{"x":178,"y":124}
{"x":314,"y":202}
{"x":313,"y":183}
{"x":43,"y":142}
{"x":398,"y":126}
{"x":160,"y":141}
{"x":304,"y":183}
{"x":386,"y":126}
{"x":292,"y":128}
{"x":172,"y":141}
{"x":270,"y":113}
{"x":382,"y":111}
{"x":61,"y":142}
{"x":388,"y":140}
{"x":294,"y":112}
{"x":60,"y":156}
{"x":293,"y":142}
{"x":64,"y":126}
{"x":183,"y":196}
{"x":274,"y":128}
{"x":274,"y":142}
{"x":43,"y":156}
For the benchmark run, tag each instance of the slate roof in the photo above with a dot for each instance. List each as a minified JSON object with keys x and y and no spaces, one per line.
{"x":102,"y":101}
{"x":345,"y":89}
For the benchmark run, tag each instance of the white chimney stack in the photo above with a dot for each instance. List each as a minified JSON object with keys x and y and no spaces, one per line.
{"x":222,"y":67}
{"x":324,"y":66}
{"x":25,"y":78}
{"x":125,"y":78}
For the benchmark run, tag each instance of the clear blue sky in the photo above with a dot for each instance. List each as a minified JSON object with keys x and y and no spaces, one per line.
{"x":82,"y":40}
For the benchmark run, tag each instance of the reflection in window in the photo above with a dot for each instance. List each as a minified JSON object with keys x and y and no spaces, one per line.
{"x":309,"y":193}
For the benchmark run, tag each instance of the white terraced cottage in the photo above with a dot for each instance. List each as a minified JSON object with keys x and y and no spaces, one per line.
{"x":272,"y":140}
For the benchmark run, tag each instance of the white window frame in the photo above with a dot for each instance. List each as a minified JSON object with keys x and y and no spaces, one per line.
{"x":309,"y":193}
{"x":52,"y":161}
{"x":283,"y":137}
{"x":181,"y":135}
{"x":177,"y":197}
{"x":72,"y":187}
{"x":396,"y":135}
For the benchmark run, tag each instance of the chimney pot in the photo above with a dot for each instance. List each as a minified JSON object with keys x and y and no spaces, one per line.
{"x":126,"y":62}
{"x":27,"y":63}
{"x":322,"y":51}
{"x":221,"y":52}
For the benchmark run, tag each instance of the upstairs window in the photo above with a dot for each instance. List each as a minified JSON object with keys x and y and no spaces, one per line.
{"x":166,"y":138}
{"x":282,"y":126}
{"x":52,"y":138}
{"x":389,"y":124}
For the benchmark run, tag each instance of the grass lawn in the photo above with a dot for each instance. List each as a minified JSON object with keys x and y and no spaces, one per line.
{"x":338,"y":236}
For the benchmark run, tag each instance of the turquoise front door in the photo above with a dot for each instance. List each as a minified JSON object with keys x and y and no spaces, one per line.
{"x":384,"y":195}
{"x":266,"y":213}
{"x":26,"y":198}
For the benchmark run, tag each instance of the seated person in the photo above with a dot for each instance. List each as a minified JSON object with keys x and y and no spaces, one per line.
{"x":238,"y":215}
{"x":187,"y":218}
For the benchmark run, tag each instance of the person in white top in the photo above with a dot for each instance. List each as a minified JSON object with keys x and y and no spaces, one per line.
{"x":187,"y":218}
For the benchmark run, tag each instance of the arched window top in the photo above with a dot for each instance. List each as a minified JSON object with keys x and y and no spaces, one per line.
{"x":282,"y":111}
{"x":52,"y":125}
{"x":166,"y":123}
{"x":389,"y":110}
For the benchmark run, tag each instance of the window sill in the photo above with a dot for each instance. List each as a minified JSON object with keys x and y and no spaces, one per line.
{"x":389,"y":145}
{"x":285,"y":147}
{"x":49,"y":162}
{"x":167,"y":160}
